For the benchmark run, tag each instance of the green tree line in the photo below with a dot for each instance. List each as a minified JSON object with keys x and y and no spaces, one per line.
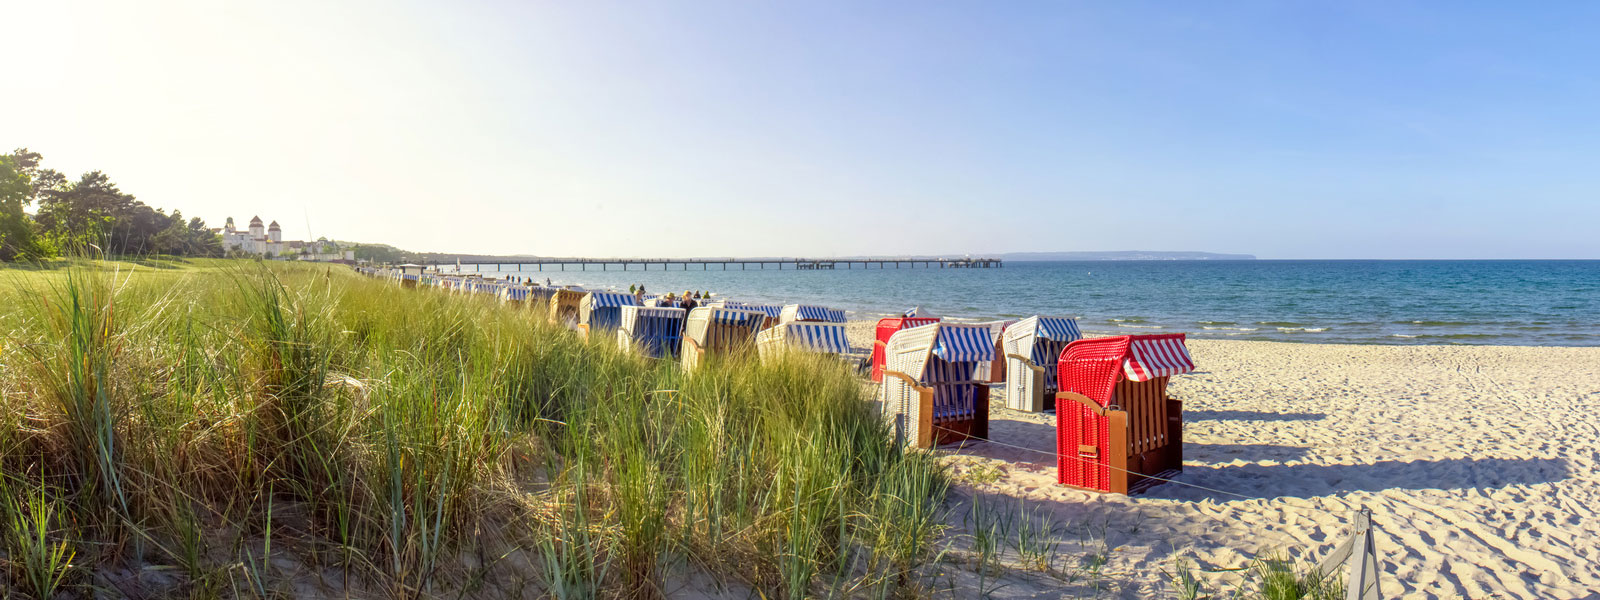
{"x":88,"y":212}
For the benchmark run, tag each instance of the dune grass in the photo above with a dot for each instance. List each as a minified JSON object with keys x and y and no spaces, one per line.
{"x":217,"y":428}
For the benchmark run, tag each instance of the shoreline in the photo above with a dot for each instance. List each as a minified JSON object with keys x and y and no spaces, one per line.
{"x":861,"y":333}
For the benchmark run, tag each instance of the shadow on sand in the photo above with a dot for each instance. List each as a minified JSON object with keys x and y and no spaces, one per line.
{"x":1249,"y":415}
{"x":1307,"y":481}
{"x":1222,"y":453}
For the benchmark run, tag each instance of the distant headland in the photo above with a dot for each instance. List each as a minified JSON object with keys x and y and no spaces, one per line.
{"x":1123,"y":255}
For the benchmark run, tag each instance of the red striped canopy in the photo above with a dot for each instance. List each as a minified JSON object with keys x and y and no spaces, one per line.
{"x":1092,"y":366}
{"x":1152,"y":356}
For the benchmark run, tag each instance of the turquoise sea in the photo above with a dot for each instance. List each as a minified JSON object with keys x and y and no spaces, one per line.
{"x":1369,"y":302}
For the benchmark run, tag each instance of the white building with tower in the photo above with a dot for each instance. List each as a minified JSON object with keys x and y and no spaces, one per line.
{"x":268,"y":241}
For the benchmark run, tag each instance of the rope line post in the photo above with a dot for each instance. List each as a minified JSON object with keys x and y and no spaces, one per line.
{"x":1359,"y":554}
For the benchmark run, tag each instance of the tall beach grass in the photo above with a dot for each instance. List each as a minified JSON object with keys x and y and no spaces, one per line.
{"x":250,"y":429}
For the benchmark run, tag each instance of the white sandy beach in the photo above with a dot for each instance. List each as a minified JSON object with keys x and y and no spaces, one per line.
{"x":1477,"y":462}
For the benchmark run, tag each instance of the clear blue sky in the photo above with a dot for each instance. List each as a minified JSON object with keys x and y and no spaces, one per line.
{"x":1282,"y":129}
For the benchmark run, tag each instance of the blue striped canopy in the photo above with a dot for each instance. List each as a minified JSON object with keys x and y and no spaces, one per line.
{"x":517,"y":293}
{"x":766,"y":309}
{"x":963,"y":344}
{"x":735,"y":317}
{"x":822,"y":337}
{"x":611,"y":299}
{"x":1060,"y":329}
{"x":806,"y":312}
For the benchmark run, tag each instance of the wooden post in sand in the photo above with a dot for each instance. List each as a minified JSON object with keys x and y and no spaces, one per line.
{"x":1360,"y":555}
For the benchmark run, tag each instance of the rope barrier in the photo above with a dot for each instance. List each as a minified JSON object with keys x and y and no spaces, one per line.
{"x":1161,"y":479}
{"x":1081,"y":459}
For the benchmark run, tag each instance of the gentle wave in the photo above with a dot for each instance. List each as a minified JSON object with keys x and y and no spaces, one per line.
{"x":1140,"y":326}
{"x":1304,"y":329}
{"x":1232,"y":328}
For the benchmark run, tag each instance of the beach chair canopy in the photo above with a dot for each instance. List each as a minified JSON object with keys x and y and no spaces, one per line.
{"x":820,"y":337}
{"x":1041,"y":339}
{"x":603,"y":309}
{"x":940,"y":352}
{"x":806,"y":312}
{"x":1092,"y":367}
{"x":886,"y":328}
{"x":770,"y":310}
{"x":564,"y":306}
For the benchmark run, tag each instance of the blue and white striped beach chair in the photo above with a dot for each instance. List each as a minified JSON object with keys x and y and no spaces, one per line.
{"x":599,"y":312}
{"x":1032,"y":349}
{"x":715,"y":330}
{"x":651,"y":331}
{"x":827,"y":338}
{"x":772,"y":311}
{"x":934,"y":387}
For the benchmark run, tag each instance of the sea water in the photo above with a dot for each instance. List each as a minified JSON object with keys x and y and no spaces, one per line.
{"x":1382,"y":302}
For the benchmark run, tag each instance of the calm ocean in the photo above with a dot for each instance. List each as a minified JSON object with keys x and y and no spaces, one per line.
{"x":1369,"y":302}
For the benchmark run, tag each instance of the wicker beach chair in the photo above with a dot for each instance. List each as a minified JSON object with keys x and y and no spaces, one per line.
{"x":514,"y":294}
{"x":798,"y":313}
{"x":1031,"y":348}
{"x":564,"y":307}
{"x":827,"y":338}
{"x":886,"y":329}
{"x":715,"y":330}
{"x":1114,"y":421}
{"x":995,"y":371}
{"x":654,"y":332}
{"x":933,"y":385}
{"x":599,"y":311}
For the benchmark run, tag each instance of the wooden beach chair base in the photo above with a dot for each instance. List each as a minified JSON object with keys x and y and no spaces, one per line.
{"x":1034,"y":402}
{"x":929,"y":434}
{"x":1132,"y":452}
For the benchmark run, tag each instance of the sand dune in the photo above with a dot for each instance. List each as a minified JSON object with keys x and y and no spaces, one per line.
{"x":1478,"y":464}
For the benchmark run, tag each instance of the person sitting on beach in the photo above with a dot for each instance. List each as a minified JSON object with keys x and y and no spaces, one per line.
{"x":688,"y":301}
{"x":638,"y":295}
{"x":631,"y":288}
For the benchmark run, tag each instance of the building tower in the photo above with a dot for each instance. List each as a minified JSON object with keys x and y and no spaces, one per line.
{"x":255,"y":228}
{"x":228,"y":227}
{"x":274,"y":233}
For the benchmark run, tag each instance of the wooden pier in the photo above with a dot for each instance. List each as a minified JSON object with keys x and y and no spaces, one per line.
{"x":724,"y":264}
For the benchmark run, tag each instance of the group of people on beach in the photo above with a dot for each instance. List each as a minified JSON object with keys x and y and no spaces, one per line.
{"x":688,"y":301}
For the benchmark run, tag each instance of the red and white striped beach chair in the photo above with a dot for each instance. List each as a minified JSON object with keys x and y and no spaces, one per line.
{"x":934,"y":383}
{"x":1114,"y":421}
